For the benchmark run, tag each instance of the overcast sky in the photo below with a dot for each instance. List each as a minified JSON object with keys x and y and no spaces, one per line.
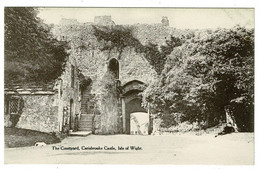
{"x":179,"y":17}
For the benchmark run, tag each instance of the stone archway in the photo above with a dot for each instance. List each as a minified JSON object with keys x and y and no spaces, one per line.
{"x":113,"y":68}
{"x":131,"y":102}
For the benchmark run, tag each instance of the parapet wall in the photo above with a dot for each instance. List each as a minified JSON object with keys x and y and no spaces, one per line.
{"x":104,"y":20}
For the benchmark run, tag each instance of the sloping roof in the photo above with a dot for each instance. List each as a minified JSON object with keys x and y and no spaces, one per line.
{"x":36,"y":88}
{"x":30,"y":88}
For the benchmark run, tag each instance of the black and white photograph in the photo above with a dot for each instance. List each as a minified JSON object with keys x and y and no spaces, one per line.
{"x":103,"y":85}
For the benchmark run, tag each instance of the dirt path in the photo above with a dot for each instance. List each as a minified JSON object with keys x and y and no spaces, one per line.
{"x":237,"y":149}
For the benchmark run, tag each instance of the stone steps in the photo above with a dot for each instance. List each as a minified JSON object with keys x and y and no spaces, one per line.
{"x":86,"y":122}
{"x":80,"y":133}
{"x":85,"y":129}
{"x":85,"y":125}
{"x":86,"y":118}
{"x":85,"y":114}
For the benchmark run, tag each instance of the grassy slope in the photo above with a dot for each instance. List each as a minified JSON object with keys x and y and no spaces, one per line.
{"x":15,"y":137}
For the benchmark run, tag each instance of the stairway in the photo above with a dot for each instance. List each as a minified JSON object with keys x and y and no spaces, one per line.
{"x":86,"y":122}
{"x":86,"y":117}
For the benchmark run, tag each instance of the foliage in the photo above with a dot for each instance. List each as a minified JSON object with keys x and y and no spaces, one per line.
{"x":157,"y":56}
{"x":31,"y":52}
{"x":120,"y":37}
{"x":208,"y":73}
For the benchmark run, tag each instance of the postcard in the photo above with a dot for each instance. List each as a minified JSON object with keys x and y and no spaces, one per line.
{"x":85,"y":85}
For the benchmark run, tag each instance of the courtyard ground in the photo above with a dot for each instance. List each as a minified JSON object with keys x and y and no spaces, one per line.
{"x":232,"y":149}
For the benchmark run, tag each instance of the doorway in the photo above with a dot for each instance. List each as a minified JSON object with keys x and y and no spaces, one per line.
{"x":139,"y":123}
{"x":71,"y":113}
{"x":132,"y":106}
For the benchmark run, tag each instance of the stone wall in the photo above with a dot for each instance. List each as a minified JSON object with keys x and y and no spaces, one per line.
{"x":156,"y":125}
{"x":65,"y":21}
{"x":184,"y":127}
{"x":133,"y":66}
{"x":156,"y":34}
{"x":7,"y":122}
{"x":104,"y":20}
{"x":51,"y":112}
{"x":40,"y":113}
{"x":93,"y":62}
{"x":108,"y":105}
{"x":69,"y":94}
{"x":48,"y":109}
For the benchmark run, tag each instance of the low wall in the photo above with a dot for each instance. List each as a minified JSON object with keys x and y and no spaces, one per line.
{"x":185,"y":128}
{"x":40,"y":113}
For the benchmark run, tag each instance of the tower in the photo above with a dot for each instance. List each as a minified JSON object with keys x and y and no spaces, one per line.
{"x":165,"y":21}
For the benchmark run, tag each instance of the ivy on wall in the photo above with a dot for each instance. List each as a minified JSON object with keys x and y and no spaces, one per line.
{"x":120,"y":37}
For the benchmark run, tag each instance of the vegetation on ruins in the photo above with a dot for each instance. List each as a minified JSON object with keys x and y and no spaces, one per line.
{"x":31,"y":52}
{"x":201,"y":78}
{"x":209,"y":75}
{"x":119,"y":37}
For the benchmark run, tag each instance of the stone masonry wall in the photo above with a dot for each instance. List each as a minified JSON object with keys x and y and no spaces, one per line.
{"x":68,"y":93}
{"x":134,"y":66}
{"x":109,"y":121}
{"x":40,"y":113}
{"x":51,"y":112}
{"x":92,"y":62}
{"x":156,"y":34}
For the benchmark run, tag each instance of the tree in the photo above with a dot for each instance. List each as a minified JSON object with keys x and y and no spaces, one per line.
{"x":232,"y":54}
{"x":208,"y":76}
{"x":157,"y":56}
{"x":31,"y":52}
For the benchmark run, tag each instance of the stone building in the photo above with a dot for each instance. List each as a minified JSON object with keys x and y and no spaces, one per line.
{"x":50,"y":107}
{"x":105,"y":100}
{"x":117,"y":78}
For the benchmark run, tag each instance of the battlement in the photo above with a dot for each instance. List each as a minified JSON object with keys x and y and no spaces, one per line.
{"x":104,"y":20}
{"x":65,"y":21}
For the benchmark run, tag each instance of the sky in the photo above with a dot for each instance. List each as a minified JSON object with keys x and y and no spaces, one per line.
{"x":182,"y":18}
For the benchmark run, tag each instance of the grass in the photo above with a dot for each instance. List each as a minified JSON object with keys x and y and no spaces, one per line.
{"x":16,"y":137}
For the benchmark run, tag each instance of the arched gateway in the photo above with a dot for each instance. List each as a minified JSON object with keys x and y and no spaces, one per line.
{"x":131,"y":103}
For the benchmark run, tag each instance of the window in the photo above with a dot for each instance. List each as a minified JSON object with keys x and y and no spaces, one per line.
{"x":113,"y":67}
{"x":72,"y":76}
{"x":15,"y":105}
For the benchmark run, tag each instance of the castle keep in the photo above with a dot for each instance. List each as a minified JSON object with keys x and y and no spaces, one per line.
{"x":99,"y":89}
